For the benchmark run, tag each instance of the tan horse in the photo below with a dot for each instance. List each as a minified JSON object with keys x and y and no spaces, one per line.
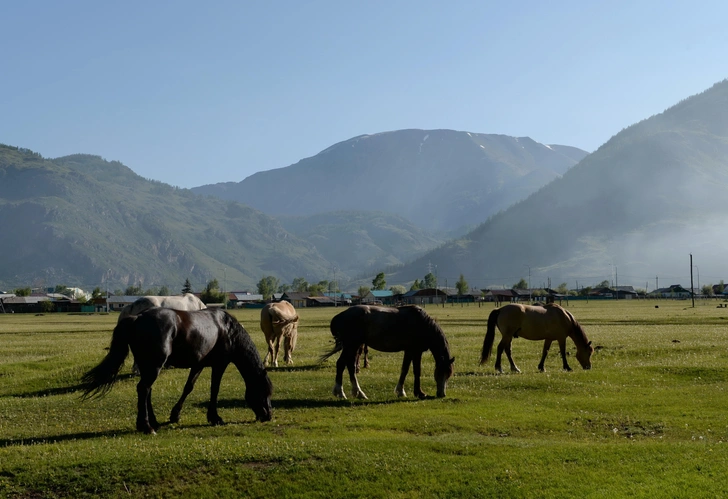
{"x":279,"y":320}
{"x":549,"y":323}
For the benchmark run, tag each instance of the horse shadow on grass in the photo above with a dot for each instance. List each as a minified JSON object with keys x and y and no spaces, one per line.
{"x":280,"y":404}
{"x":52,"y":439}
{"x":62,"y":390}
{"x":294,"y":369}
{"x":298,"y":403}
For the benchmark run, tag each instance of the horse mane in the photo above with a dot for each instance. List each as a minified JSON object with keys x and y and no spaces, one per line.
{"x":579,"y":335}
{"x":432,"y":326}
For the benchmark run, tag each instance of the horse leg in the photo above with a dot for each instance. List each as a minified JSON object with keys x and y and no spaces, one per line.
{"x":366,"y":356}
{"x":514,"y":367}
{"x":276,"y":347}
{"x":212,"y":416}
{"x":269,"y":356}
{"x":499,"y":353}
{"x":399,"y":390}
{"x":191,"y":379}
{"x":562,"y":349}
{"x":338,"y":390}
{"x":546,"y":347}
{"x":289,"y":343}
{"x":416,"y":370}
{"x":146,"y":421}
{"x":356,"y":360}
{"x":356,"y":390}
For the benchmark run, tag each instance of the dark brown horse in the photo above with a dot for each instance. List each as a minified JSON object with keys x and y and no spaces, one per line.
{"x":549,"y":323}
{"x":164,"y":337}
{"x":389,"y":329}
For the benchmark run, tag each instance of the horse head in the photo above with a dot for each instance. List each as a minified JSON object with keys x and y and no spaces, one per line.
{"x":443,"y":372}
{"x":583,"y":355}
{"x":257,"y":396}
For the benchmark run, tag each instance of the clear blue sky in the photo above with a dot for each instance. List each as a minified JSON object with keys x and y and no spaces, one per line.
{"x":192,"y":93}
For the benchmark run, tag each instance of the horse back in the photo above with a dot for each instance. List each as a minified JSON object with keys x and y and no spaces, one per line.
{"x":182,"y":338}
{"x":534,"y":322}
{"x":386,"y":329}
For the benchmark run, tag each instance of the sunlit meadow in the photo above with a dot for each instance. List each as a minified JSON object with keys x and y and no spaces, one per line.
{"x":649,"y":420}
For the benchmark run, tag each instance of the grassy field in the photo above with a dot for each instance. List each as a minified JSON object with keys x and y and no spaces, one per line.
{"x":649,"y":420}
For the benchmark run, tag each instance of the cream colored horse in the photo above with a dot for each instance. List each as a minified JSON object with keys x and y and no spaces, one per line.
{"x":279,"y":320}
{"x":187,"y":301}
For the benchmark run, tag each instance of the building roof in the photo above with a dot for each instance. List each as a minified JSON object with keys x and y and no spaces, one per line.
{"x":295,"y":295}
{"x":425,"y":292}
{"x":25,"y":300}
{"x":381,"y":293}
{"x":499,"y":292}
{"x":324,"y":300}
{"x":122,"y":299}
{"x":246,"y":297}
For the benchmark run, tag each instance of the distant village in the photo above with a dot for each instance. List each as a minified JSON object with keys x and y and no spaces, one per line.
{"x":75,"y":300}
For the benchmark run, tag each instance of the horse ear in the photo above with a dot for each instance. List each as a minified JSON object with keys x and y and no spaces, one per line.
{"x":452,"y":361}
{"x":588,"y":344}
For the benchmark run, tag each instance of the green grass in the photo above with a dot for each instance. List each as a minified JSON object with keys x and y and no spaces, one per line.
{"x":649,"y":420}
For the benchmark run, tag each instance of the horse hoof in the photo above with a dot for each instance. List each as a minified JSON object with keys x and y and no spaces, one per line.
{"x":338,"y":392}
{"x":361,"y":395}
{"x":217,"y":422}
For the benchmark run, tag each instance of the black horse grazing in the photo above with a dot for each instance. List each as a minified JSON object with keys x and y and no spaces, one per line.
{"x":164,"y":337}
{"x":389,"y":329}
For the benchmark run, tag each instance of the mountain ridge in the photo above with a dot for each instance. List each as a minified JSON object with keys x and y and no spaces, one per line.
{"x":407,"y":172}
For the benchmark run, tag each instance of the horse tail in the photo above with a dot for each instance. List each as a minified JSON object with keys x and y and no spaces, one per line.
{"x":100,"y":379}
{"x":489,"y":336}
{"x":266,"y":322}
{"x":339,"y":344}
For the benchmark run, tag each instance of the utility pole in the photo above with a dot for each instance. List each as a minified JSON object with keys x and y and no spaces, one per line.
{"x":335,"y":286}
{"x":616,"y":284}
{"x":692,"y":289}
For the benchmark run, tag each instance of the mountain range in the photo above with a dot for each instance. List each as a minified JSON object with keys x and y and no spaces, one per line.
{"x":491,"y":207}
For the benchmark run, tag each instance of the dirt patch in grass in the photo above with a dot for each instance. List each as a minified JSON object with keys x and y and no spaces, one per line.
{"x":619,"y":427}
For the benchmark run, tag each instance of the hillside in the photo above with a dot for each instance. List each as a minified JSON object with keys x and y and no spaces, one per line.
{"x":641,"y":203}
{"x":83,"y":221}
{"x":438,"y":179}
{"x":362,"y":242}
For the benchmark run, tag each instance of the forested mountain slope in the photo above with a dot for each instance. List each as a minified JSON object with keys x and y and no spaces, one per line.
{"x":81,"y":220}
